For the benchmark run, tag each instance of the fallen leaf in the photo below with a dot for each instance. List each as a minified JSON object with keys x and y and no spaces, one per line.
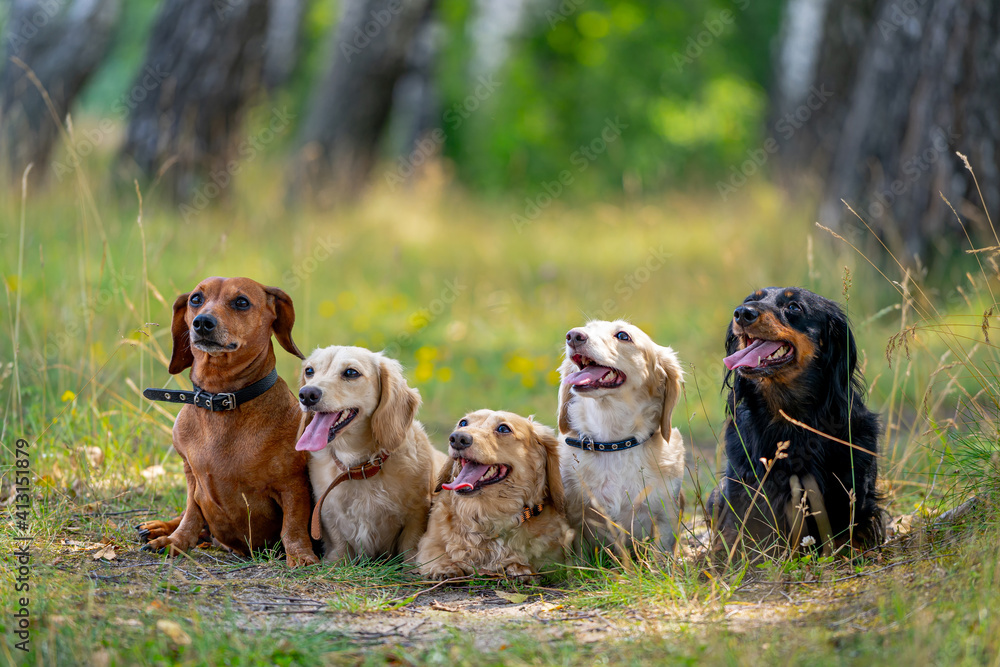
{"x":76,"y":545}
{"x":514,"y":598}
{"x":550,"y":606}
{"x":107,"y":552}
{"x":127,"y":622}
{"x":174,"y":632}
{"x":901,"y":525}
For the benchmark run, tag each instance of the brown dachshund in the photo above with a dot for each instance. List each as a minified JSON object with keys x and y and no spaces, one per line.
{"x":245,"y":480}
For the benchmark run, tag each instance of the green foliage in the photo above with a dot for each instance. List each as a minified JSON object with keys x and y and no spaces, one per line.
{"x":686,"y":80}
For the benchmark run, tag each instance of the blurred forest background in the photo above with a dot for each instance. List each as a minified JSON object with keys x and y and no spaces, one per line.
{"x":865,"y":100}
{"x":460,"y":181}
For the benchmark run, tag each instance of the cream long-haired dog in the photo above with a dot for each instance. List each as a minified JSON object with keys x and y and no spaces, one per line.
{"x":501,"y":506}
{"x":357,"y":408}
{"x":622,"y":461}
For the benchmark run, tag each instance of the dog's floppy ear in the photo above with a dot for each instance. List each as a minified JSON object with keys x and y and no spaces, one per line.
{"x":181,"y":357}
{"x":284,"y":319}
{"x":564,"y":398}
{"x":397,"y":406}
{"x":839,"y":356}
{"x":546,"y":437}
{"x":673,"y":380}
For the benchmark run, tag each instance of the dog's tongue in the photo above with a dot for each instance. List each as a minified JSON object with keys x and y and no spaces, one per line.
{"x":588,"y":375}
{"x":467,"y":478}
{"x":317,"y":433}
{"x":751,"y":355}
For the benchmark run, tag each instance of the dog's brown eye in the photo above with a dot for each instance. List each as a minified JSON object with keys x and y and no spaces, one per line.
{"x":196,"y":300}
{"x":621,"y":335}
{"x":503,"y":428}
{"x":351,"y":374}
{"x":794,"y":307}
{"x":464,"y":422}
{"x":241,"y":303}
{"x":309,"y":371}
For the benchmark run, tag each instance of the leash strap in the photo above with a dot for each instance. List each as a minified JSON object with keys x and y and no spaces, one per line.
{"x":363,"y":471}
{"x":589,"y":444}
{"x":214,"y":402}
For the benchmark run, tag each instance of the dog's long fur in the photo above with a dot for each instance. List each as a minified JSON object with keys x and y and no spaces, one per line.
{"x":245,"y":480}
{"x":387,"y":514}
{"x":820,"y":385}
{"x":480,"y":531}
{"x":616,"y":497}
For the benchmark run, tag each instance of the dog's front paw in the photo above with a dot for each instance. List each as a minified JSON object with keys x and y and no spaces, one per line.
{"x":520,"y":571}
{"x":441,"y":572}
{"x":151,"y":530}
{"x":166,"y":545}
{"x":300,"y":559}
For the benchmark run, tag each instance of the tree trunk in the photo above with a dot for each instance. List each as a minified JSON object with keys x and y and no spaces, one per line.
{"x":203,"y":66}
{"x":281,"y":47}
{"x":62,"y":47}
{"x":350,"y":111}
{"x":925,"y":83}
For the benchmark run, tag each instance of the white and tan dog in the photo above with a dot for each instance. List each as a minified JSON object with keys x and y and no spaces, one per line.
{"x":357,"y":408}
{"x":622,"y":461}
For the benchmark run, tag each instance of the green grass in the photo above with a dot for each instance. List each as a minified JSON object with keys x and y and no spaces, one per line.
{"x":477,"y":313}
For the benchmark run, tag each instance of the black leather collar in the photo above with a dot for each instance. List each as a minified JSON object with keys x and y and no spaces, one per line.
{"x":214,"y":402}
{"x":592,"y":445}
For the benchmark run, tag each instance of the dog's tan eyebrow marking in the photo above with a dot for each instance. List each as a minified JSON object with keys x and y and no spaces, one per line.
{"x":789,"y":293}
{"x":759,"y":294}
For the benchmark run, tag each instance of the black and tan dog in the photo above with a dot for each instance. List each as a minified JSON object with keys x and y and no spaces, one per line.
{"x":792,"y":351}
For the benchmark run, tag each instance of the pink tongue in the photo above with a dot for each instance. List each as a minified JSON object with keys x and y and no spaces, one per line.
{"x":588,"y":375}
{"x":751,"y":355}
{"x":467,"y":478}
{"x":316,"y":435}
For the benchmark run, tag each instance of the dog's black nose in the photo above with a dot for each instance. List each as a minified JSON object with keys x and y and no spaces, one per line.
{"x":745,"y":315}
{"x":460,"y":440}
{"x":204,"y":324}
{"x":576,"y":337}
{"x":309,"y":395}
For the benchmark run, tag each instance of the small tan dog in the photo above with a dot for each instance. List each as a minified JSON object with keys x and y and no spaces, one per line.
{"x":501,"y":507}
{"x":358,"y":418}
{"x":622,"y":461}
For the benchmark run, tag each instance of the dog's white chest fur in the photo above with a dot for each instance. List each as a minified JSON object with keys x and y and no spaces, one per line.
{"x":363,"y":516}
{"x":622,"y":494}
